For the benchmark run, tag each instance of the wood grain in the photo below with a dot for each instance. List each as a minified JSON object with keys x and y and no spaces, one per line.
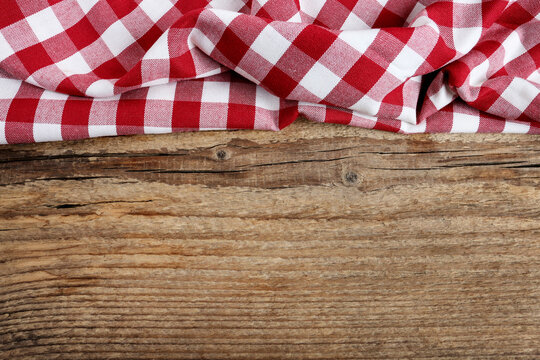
{"x":317,"y":242}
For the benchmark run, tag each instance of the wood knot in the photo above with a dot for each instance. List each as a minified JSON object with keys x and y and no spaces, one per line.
{"x":222,"y":154}
{"x":351,"y":178}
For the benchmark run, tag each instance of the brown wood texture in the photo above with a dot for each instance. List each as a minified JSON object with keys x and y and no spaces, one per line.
{"x":317,"y":242}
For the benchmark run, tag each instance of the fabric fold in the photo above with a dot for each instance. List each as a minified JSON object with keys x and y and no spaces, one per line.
{"x":73,"y":69}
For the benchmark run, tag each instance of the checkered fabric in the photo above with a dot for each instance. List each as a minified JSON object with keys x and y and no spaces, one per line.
{"x":74,"y":69}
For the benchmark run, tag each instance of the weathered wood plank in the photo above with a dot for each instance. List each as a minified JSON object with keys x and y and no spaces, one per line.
{"x":317,"y":242}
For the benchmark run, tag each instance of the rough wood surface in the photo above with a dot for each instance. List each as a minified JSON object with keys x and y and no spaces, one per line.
{"x":318,"y":242}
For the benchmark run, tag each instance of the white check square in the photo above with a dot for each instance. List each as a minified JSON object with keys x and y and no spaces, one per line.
{"x":466,"y":38}
{"x":230,"y":5}
{"x":408,"y":61}
{"x":535,"y":77}
{"x":53,"y":95}
{"x":9,"y":88}
{"x":155,"y":9}
{"x":156,"y":130}
{"x":520,"y":93}
{"x":162,"y":92}
{"x":75,"y":64}
{"x":86,"y":5}
{"x":5,"y":49}
{"x":215,"y":92}
{"x":100,"y":88}
{"x":226,"y":16}
{"x":265,"y":100}
{"x":47,"y":132}
{"x":312,"y":7}
{"x":359,"y":40}
{"x":353,"y":22}
{"x":101,"y":130}
{"x":513,"y":47}
{"x":516,"y":127}
{"x":270,"y":44}
{"x":45,"y":24}
{"x":464,"y":123}
{"x":3,"y":139}
{"x":407,"y":115}
{"x":117,"y":38}
{"x":367,"y":106}
{"x":201,"y":41}
{"x":320,"y":81}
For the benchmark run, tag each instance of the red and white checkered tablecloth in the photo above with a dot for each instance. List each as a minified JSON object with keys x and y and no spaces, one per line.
{"x":72,"y":69}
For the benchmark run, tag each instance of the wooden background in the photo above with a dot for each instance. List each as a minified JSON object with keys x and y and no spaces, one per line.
{"x":317,"y":242}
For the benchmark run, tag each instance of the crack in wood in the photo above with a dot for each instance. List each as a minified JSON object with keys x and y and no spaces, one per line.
{"x":77,"y":205}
